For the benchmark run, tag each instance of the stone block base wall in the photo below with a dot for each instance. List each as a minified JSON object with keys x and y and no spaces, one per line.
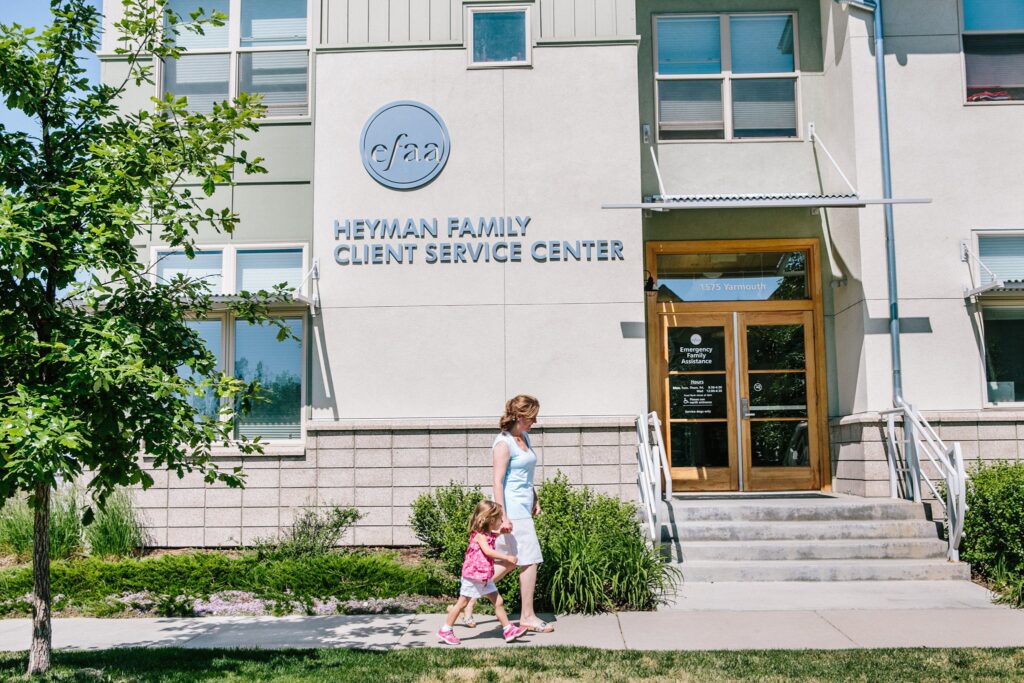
{"x":380,"y":471}
{"x":859,"y":461}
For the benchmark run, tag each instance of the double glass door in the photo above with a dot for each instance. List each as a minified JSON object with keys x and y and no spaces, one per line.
{"x":740,"y":399}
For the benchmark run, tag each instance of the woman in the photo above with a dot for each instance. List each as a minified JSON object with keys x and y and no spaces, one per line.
{"x":514,"y":463}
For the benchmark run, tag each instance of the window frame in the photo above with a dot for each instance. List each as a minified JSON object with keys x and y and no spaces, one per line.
{"x":963,"y":61}
{"x":234,"y":49}
{"x":295,"y":310}
{"x":726,"y":76}
{"x":229,"y":261}
{"x":526,"y":9}
{"x":992,"y":300}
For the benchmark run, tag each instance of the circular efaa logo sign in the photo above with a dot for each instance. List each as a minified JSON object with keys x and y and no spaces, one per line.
{"x":404,"y":145}
{"x":695,"y":339}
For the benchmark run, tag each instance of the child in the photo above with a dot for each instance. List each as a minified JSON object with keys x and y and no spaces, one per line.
{"x":478,"y":570}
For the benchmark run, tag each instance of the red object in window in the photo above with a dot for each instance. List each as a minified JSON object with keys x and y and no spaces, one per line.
{"x":989,"y":96}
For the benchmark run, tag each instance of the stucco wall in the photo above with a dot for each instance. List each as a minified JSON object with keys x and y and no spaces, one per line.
{"x":404,"y":341}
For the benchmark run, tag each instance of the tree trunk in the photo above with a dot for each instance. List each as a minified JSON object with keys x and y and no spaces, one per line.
{"x":42,"y":635}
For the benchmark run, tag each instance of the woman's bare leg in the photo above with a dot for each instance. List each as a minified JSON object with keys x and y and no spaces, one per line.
{"x":527,"y":583}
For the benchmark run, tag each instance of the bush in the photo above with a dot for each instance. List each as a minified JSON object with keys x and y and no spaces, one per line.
{"x":596,"y":556}
{"x":313,"y":533}
{"x":994,"y":523}
{"x":117,"y":530}
{"x":17,"y":524}
{"x":360,"y":575}
{"x":441,"y":521}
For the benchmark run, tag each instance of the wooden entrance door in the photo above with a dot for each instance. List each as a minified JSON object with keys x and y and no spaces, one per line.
{"x":740,"y":400}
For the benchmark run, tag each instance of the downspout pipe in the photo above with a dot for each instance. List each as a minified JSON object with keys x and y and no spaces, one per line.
{"x":874,"y":7}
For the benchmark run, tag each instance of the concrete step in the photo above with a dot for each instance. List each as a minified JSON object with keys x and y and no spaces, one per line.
{"x":795,"y":510}
{"x":824,"y":570}
{"x":767,"y":531}
{"x":867,"y":549}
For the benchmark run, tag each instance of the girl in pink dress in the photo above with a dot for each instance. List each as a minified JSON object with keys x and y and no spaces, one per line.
{"x":478,"y":573}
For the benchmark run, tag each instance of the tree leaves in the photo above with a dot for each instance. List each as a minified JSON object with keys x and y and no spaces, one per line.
{"x":92,"y":346}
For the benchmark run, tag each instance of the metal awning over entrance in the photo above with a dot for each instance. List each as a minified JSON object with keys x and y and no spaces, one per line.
{"x":760,"y":201}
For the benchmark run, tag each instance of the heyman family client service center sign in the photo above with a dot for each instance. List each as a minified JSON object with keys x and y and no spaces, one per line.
{"x":404,"y":146}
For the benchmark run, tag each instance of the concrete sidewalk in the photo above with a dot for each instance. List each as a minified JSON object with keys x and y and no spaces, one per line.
{"x":719,"y":616}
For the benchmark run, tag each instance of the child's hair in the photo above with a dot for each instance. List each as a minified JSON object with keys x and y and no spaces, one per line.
{"x":484,"y":516}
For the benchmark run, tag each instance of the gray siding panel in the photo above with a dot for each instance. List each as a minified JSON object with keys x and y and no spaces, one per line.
{"x":378,"y":21}
{"x":625,"y":17}
{"x":547,"y":19}
{"x":440,"y":20}
{"x":399,"y":21}
{"x":456,"y":18}
{"x":381,"y":22}
{"x":604,"y":17}
{"x":358,"y":21}
{"x":584,"y":21}
{"x":565,"y":20}
{"x":419,"y":20}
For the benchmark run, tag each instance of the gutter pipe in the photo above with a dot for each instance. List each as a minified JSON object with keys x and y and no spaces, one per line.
{"x":874,"y":7}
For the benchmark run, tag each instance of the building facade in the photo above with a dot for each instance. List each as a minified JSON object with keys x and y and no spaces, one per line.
{"x":617,"y":206}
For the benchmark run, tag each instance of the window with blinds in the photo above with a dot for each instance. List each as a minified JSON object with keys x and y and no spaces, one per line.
{"x":993,"y":39}
{"x":207,"y":266}
{"x":262,"y":269}
{"x":262,"y":48}
{"x":726,"y":77}
{"x":1004,"y":256}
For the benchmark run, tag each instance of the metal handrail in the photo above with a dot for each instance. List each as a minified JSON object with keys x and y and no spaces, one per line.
{"x":919,"y":437}
{"x":652,"y":467}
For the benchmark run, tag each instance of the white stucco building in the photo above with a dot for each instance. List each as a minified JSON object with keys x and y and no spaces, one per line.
{"x":440,"y":177}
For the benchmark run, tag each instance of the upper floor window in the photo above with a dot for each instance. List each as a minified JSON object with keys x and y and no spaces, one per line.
{"x":499,"y":36}
{"x":231,"y":269}
{"x":263,"y":48}
{"x":994,"y":50}
{"x":726,"y":77}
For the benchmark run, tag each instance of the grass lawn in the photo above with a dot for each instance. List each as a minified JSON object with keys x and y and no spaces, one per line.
{"x":527,"y":664}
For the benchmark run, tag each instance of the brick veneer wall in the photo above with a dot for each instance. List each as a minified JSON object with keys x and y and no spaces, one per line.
{"x":379,"y":471}
{"x":859,"y":464}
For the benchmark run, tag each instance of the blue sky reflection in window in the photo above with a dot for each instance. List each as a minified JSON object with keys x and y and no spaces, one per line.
{"x":499,"y":36}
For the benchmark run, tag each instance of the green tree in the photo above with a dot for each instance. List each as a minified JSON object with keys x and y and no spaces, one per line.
{"x":91,"y":346}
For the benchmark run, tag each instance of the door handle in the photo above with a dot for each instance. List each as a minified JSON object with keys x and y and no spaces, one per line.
{"x":745,"y":408}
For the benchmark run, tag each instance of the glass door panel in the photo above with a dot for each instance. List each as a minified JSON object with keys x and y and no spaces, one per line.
{"x":699,"y":401}
{"x":778,"y":400}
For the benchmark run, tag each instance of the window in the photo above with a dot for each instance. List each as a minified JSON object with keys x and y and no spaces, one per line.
{"x":257,"y":354}
{"x":726,"y":77}
{"x":254,"y":351}
{"x":1004,"y":353}
{"x":262,"y":48}
{"x":230,"y":269}
{"x":993,"y":38}
{"x":1002,"y":315}
{"x":498,"y":36}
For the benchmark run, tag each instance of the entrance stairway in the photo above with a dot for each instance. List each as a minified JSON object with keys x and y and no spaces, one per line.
{"x":804,"y":537}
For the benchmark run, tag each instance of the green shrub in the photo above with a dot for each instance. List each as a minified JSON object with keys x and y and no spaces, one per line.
{"x":596,"y":557}
{"x":994,"y":523}
{"x":313,"y":533}
{"x":17,"y":524}
{"x":440,"y":519}
{"x":117,"y":530}
{"x":358,"y":575}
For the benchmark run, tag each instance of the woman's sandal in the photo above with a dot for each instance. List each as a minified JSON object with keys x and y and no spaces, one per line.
{"x":540,"y":627}
{"x":469,"y":622}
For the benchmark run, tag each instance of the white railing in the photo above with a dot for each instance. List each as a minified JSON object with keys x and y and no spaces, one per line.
{"x":919,"y":438}
{"x":652,"y":470}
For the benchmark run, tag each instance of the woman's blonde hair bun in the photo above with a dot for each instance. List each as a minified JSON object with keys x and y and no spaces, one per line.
{"x":517,"y":407}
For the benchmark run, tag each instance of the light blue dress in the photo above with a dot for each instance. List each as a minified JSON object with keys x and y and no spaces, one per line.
{"x":518,"y":481}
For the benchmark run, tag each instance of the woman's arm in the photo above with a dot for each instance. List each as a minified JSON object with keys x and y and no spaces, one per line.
{"x":492,"y":553}
{"x":501,"y":457}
